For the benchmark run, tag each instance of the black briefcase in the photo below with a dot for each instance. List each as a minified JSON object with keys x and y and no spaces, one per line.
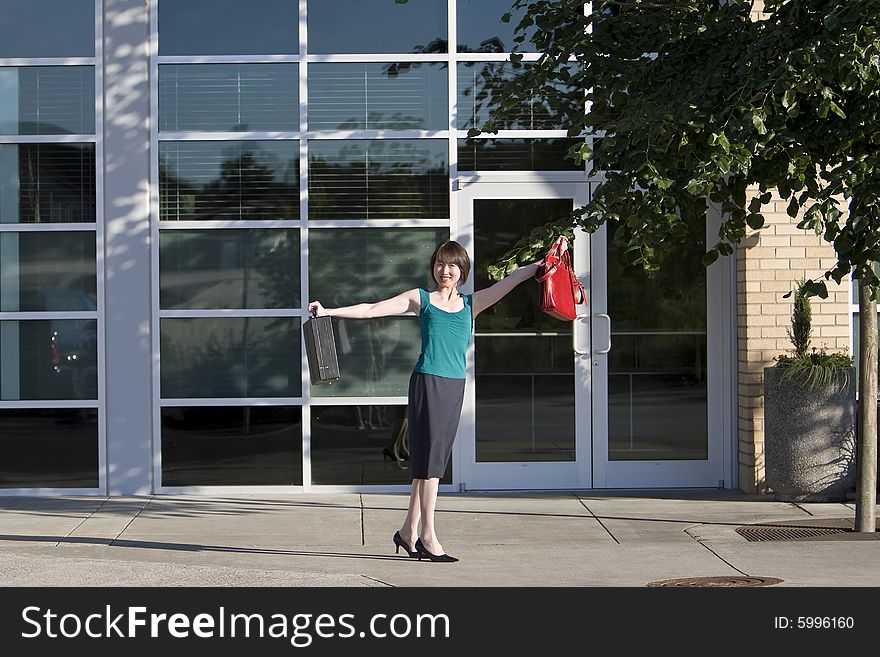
{"x":321,"y":349}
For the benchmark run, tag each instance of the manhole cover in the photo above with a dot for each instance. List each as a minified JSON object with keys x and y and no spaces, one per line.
{"x":785,"y":533}
{"x":717,"y":581}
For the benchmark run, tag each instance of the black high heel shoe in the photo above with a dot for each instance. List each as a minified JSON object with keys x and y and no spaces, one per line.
{"x":400,"y":543}
{"x":423,"y":552}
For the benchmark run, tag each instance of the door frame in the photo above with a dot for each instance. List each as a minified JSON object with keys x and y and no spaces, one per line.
{"x":468,"y":474}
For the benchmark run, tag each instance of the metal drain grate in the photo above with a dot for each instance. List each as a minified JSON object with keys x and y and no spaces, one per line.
{"x":785,"y":533}
{"x":727,"y":582}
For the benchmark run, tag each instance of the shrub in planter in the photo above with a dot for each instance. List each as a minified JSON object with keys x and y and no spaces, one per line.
{"x":809,"y":417}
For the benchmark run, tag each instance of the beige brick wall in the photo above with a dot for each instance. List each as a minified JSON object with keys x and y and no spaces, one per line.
{"x":770,"y":261}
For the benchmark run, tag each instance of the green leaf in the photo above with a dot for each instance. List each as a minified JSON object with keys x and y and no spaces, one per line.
{"x":474,"y":132}
{"x":755,"y":220}
{"x":696,"y":187}
{"x":788,"y":98}
{"x":832,"y":24}
{"x":836,"y":109}
{"x":758,"y":122}
{"x":793,"y":207}
{"x":710,"y":257}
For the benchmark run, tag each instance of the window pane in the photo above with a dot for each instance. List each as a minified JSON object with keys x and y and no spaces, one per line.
{"x":397,"y":96}
{"x":229,"y":268}
{"x":376,"y":356}
{"x":49,"y":448}
{"x":228,"y":27}
{"x":222,"y":180}
{"x":49,"y":359}
{"x":480,"y":28}
{"x":657,"y":392}
{"x":388,"y":179}
{"x":657,"y":398}
{"x":230,"y":357}
{"x":478,"y":84}
{"x":377,"y":26}
{"x":47,"y":271}
{"x":232,"y":446}
{"x":524,"y":365}
{"x":47,"y":28}
{"x":228,"y":97}
{"x":383,"y":261}
{"x":47,"y":100}
{"x":358,"y":445}
{"x":516,"y":155}
{"x":47,"y":183}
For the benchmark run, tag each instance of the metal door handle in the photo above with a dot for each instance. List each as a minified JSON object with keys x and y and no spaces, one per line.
{"x":574,"y":335}
{"x":608,"y":319}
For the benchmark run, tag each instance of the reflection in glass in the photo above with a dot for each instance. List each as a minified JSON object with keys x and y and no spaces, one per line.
{"x":228,"y":27}
{"x":47,"y":183}
{"x":228,"y":97}
{"x":47,"y":100}
{"x":232,"y":446}
{"x":499,"y":223}
{"x":373,"y":179}
{"x":525,"y":398}
{"x":229,"y":268}
{"x":49,"y":448}
{"x":47,"y":271}
{"x":657,"y":368}
{"x":367,"y":96}
{"x":230,"y":357}
{"x":479,"y":83}
{"x":480,"y":28}
{"x":383,"y":261}
{"x":223,"y":180}
{"x":376,"y":357}
{"x":47,"y":28}
{"x":516,"y":155}
{"x":49,"y":359}
{"x":523,"y":359}
{"x":358,"y":445}
{"x":377,"y":26}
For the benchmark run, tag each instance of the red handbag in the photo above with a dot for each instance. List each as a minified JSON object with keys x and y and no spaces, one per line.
{"x":561,"y":290}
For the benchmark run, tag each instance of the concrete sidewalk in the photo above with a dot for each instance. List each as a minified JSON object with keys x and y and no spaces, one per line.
{"x":582,"y":538}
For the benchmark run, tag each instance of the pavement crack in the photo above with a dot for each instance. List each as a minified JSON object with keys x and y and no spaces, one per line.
{"x":597,"y":519}
{"x":373,"y":579}
{"x":704,"y":543}
{"x":799,"y":507}
{"x":363,"y":529}
{"x":133,"y":518}
{"x":83,"y":521}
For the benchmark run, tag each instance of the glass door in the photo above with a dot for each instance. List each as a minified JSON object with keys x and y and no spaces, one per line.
{"x":659,"y":366}
{"x":526,"y":421}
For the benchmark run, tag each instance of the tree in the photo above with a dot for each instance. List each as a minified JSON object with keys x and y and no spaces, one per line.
{"x":691,"y":102}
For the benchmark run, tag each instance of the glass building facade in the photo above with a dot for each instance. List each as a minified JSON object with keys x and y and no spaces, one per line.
{"x":252,"y":156}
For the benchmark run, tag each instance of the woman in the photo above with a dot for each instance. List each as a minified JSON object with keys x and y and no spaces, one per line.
{"x":436,"y":388}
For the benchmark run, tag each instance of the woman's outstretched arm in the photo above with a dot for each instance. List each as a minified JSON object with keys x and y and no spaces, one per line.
{"x":404,"y":302}
{"x":491,"y":295}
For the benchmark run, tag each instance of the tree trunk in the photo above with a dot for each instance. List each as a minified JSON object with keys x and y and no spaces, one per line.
{"x":866,"y":486}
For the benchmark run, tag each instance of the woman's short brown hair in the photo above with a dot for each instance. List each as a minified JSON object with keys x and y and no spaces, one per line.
{"x":452,"y":252}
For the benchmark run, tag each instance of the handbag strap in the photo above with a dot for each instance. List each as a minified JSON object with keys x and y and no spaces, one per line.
{"x":559,"y":253}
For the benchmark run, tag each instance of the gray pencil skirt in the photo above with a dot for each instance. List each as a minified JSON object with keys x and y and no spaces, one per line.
{"x":433,"y":414}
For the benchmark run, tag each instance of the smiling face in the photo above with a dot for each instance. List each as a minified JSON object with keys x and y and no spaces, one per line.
{"x":450,"y":265}
{"x":446,"y":274}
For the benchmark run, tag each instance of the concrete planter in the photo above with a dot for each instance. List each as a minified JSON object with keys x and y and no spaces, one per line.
{"x":810,"y":437}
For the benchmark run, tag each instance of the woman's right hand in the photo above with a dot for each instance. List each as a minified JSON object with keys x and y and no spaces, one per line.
{"x":316,"y":309}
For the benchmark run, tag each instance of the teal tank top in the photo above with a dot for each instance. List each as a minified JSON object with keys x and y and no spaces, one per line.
{"x":445,"y":338}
